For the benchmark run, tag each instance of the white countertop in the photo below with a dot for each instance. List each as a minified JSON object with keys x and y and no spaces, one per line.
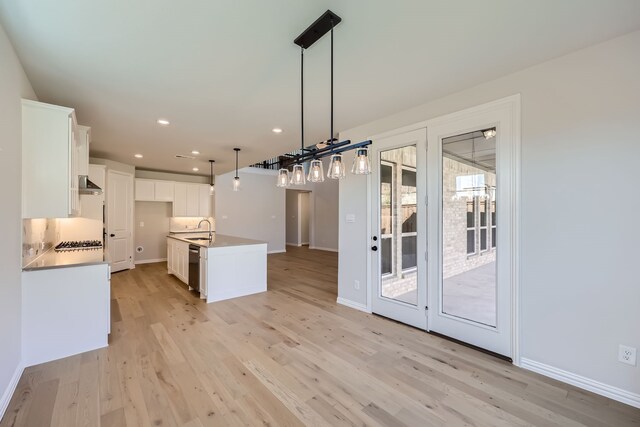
{"x":218,"y":241}
{"x":53,"y":259}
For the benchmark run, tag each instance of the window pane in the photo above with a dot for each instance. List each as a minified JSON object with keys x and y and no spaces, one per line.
{"x":409,"y":252}
{"x":471,"y":241}
{"x":386,"y":258}
{"x":493,"y":237}
{"x":468,"y":190}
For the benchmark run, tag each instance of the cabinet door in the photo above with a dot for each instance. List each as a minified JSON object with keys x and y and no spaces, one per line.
{"x":193,"y":200}
{"x":84,"y":139}
{"x":205,"y":201}
{"x":164,"y":191}
{"x":169,"y":256}
{"x":180,"y":199}
{"x":145,"y":190}
{"x":74,"y":185}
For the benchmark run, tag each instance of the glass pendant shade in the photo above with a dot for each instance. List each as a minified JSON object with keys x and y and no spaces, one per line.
{"x":361,"y":164}
{"x":297,"y":176}
{"x":283,"y":178}
{"x":236,"y":183}
{"x":211,"y":190}
{"x":316,"y":171}
{"x":336,"y":167}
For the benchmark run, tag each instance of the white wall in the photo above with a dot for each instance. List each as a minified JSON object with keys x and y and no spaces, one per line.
{"x":580,"y":292}
{"x":13,"y":86}
{"x":257,"y":211}
{"x":324,"y":215}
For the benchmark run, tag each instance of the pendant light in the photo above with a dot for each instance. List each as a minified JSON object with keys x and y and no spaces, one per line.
{"x":316,"y":171}
{"x":336,"y":167}
{"x":211,"y":187}
{"x":236,"y":179}
{"x":297,"y":175}
{"x":283,"y":178}
{"x":361,"y":164}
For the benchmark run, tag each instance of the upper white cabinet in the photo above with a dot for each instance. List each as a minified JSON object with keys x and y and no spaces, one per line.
{"x":50,"y":161}
{"x":191,"y":200}
{"x":83,"y":142}
{"x":150,"y":190}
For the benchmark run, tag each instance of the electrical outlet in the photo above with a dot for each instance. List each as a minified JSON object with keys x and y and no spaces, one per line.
{"x":627,"y":355}
{"x":356,"y":284}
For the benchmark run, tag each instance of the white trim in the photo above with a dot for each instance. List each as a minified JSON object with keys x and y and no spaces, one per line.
{"x":149,"y":261}
{"x":293,"y":244}
{"x":11,"y":388}
{"x":276,"y":251}
{"x":585,"y":383}
{"x":353,"y":304}
{"x":320,"y":248}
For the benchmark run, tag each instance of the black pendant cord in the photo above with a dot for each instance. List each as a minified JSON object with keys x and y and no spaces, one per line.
{"x":211,"y":175}
{"x":302,"y":100}
{"x":236,"y":150}
{"x":331,"y":136}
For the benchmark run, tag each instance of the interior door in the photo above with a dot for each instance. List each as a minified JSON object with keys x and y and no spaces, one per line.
{"x":472,"y":180}
{"x":120,"y":219}
{"x":399,"y":228}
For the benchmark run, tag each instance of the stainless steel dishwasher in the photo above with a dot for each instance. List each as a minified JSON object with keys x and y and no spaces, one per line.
{"x":194,"y":267}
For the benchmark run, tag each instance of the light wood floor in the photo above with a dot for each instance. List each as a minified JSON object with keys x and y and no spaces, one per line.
{"x":286,"y":357}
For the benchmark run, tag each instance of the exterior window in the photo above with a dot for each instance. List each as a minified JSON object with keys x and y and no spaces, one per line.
{"x":484,"y":216}
{"x":471,"y":227}
{"x":409,"y":219}
{"x":386,"y":217}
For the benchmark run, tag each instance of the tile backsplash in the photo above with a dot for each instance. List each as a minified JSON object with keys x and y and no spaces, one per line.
{"x":38,"y":236}
{"x":181,"y":224}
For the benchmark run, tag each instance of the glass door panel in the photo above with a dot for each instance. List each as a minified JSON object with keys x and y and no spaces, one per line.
{"x":469,"y":227}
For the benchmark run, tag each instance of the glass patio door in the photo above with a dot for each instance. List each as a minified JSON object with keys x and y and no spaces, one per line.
{"x":398,"y":238}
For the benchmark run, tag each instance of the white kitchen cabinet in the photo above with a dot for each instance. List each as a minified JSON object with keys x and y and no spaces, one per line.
{"x":180,"y":199}
{"x":50,"y":161}
{"x":164,"y":191}
{"x":83,"y":142}
{"x":145,"y":190}
{"x":191,"y":200}
{"x":205,"y":201}
{"x":150,"y":190}
{"x":178,"y":259}
{"x":93,"y":204}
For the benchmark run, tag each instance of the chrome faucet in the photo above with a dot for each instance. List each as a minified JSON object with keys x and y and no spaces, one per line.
{"x":210,"y":232}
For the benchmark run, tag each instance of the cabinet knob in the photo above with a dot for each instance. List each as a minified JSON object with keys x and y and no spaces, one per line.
{"x":112,"y":235}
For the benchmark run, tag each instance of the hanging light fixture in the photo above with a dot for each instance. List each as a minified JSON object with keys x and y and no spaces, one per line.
{"x":236,"y":179}
{"x":283,"y":178}
{"x":316,"y":171}
{"x":297,"y":175}
{"x":336,"y":167}
{"x":361,"y":164}
{"x":211,"y":187}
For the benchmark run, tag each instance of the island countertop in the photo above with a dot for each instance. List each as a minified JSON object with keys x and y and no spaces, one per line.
{"x":79,"y":258}
{"x":218,"y":241}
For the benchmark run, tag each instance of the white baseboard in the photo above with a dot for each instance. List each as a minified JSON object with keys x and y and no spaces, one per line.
{"x":293,"y":244}
{"x":585,"y":383}
{"x":11,"y":388}
{"x":149,"y":261}
{"x":320,"y":248}
{"x":277,"y":251}
{"x":352,"y":304}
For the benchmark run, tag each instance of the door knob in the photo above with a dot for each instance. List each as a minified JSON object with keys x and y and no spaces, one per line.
{"x":112,"y":235}
{"x":374,"y":248}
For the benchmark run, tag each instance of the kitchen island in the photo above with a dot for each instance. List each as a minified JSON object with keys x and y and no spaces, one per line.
{"x":227,"y":266}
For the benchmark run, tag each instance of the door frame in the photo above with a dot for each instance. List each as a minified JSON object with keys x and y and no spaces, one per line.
{"x":513,"y":105}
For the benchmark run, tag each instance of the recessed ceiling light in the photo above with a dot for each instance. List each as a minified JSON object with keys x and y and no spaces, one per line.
{"x":137,"y":156}
{"x":196,"y":152}
{"x":196,"y":169}
{"x":163,"y":122}
{"x":276,"y":130}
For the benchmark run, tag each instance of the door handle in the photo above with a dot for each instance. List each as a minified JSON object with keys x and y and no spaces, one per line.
{"x":112,"y":235}
{"x":374,"y":248}
{"x":375,"y":238}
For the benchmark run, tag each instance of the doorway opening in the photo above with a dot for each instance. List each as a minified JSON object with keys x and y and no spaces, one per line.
{"x":298,"y":217}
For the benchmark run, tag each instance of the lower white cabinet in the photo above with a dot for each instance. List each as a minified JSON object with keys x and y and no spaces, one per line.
{"x":178,"y":259}
{"x":65,"y":311}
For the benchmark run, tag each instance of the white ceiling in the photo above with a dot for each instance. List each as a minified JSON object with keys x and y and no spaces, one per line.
{"x":226,"y":72}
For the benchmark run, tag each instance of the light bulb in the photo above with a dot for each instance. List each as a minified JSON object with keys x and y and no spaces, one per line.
{"x":236,"y":183}
{"x":316,"y":172}
{"x":297,"y":177}
{"x":283,"y":178}
{"x":211,"y":189}
{"x":361,"y":163}
{"x":336,"y":167}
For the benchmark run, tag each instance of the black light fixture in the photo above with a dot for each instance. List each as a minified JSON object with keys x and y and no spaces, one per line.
{"x":297,"y":176}
{"x":211,"y":188}
{"x":236,"y":179}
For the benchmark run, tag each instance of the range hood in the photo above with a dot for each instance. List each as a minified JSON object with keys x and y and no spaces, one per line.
{"x":88,"y":187}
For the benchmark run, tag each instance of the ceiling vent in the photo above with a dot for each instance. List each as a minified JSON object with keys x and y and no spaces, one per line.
{"x":182,"y":156}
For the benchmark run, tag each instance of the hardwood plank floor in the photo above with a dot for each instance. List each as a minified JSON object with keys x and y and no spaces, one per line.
{"x":287,"y":357}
